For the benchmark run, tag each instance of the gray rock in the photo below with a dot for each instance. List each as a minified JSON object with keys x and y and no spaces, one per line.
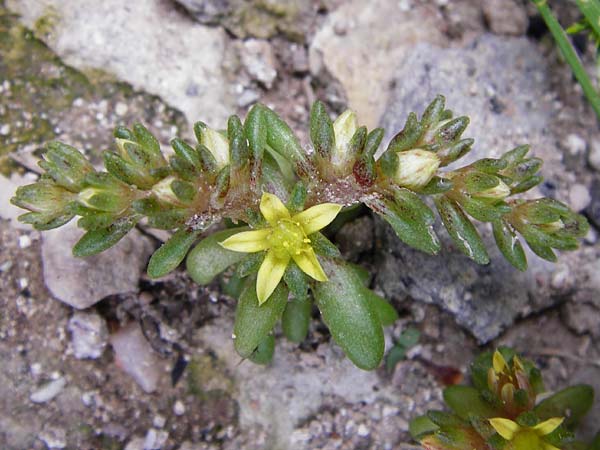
{"x":89,"y":335}
{"x":502,"y":85}
{"x":53,"y":437}
{"x":209,"y":12}
{"x":355,"y":237}
{"x":135,"y":356}
{"x":48,"y":391}
{"x":259,"y":61}
{"x":593,"y":210}
{"x":361,"y":42}
{"x":505,"y":17}
{"x":594,"y":155}
{"x":81,"y":282}
{"x":148,"y":44}
{"x":8,"y":186}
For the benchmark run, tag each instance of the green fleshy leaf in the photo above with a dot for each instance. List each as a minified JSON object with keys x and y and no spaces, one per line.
{"x":250,"y":264}
{"x":410,"y":218}
{"x":509,"y":244}
{"x":350,"y":316}
{"x":407,"y":339}
{"x":385,"y":311}
{"x":96,"y":241}
{"x":461,"y":230}
{"x":466,"y":402}
{"x":253,"y":323}
{"x":208,"y":258}
{"x":321,"y":130}
{"x":573,"y":403}
{"x":171,"y":253}
{"x":66,"y":166}
{"x":296,"y":319}
{"x":433,"y":113}
{"x":238,"y":145}
{"x":297,"y":198}
{"x":421,"y":427}
{"x":296,"y":281}
{"x":323,"y":246}
{"x":452,"y":130}
{"x":263,"y":354}
{"x":407,"y":138}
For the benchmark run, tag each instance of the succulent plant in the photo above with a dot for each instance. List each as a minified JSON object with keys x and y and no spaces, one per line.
{"x":276,"y":199}
{"x":503,"y":410}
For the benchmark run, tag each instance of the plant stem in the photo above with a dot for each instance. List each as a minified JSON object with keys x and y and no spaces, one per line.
{"x":569,"y":53}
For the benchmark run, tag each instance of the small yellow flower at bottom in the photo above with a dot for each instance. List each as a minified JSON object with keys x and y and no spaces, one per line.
{"x":526,"y":438}
{"x":286,"y":238}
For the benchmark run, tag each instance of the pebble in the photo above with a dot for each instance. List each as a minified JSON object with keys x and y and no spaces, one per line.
{"x":594,"y":155}
{"x":89,"y":335}
{"x":259,"y":61}
{"x":247,"y":97}
{"x":24,"y":241}
{"x":135,"y":356}
{"x":179,"y":408}
{"x":48,"y":391}
{"x":159,"y":421}
{"x":575,"y":144}
{"x":121,"y":109}
{"x":362,"y":430}
{"x":53,"y":437}
{"x":155,"y":439}
{"x":579,"y":197}
{"x":5,"y":130}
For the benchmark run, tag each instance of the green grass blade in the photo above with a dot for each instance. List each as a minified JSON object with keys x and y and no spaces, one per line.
{"x":569,"y":53}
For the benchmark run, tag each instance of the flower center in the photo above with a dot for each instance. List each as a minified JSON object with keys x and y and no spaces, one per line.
{"x":288,"y":238}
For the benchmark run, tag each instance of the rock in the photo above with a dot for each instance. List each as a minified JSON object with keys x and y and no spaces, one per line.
{"x":53,"y":437}
{"x":593,"y":210}
{"x":259,"y":61}
{"x":81,"y":282}
{"x":501,"y":84}
{"x":594,"y":155}
{"x":579,"y":197}
{"x":582,"y":316}
{"x":48,"y":391}
{"x":255,"y":18}
{"x":505,"y":17}
{"x":179,"y":408}
{"x":574,"y":144}
{"x":150,"y":45}
{"x":155,"y":439}
{"x":355,"y":237}
{"x":376,"y":35}
{"x":89,"y":335}
{"x":135,"y":356}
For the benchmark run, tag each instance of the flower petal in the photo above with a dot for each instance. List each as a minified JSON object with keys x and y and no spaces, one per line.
{"x":248,"y":241}
{"x":317,"y":217}
{"x":505,"y":427}
{"x":307,"y":261}
{"x":269,"y":275}
{"x":499,"y":362}
{"x":548,"y":426}
{"x":272,"y":208}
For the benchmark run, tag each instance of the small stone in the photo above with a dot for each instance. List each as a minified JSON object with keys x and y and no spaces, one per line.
{"x":505,"y":17}
{"x":136,"y":444}
{"x":89,"y":335}
{"x":53,"y":437}
{"x":121,"y":109}
{"x":579,"y":197}
{"x":159,"y":421}
{"x":575,"y":144}
{"x":155,"y":439}
{"x":24,"y":241}
{"x":5,"y":129}
{"x":362,"y":430}
{"x":299,"y":59}
{"x":247,"y":97}
{"x":594,"y":155}
{"x":48,"y":391}
{"x":179,"y":408}
{"x":259,"y":61}
{"x":135,"y":356}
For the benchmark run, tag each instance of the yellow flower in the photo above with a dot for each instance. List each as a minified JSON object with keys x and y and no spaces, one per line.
{"x":286,"y":238}
{"x":526,"y":438}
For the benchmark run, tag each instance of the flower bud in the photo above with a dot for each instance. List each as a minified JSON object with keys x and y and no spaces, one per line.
{"x":500,"y":191}
{"x":216,"y":143}
{"x":164,"y":191}
{"x":344,"y":128}
{"x":416,"y":168}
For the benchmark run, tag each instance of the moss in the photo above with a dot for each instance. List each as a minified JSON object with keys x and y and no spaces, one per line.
{"x":39,"y":91}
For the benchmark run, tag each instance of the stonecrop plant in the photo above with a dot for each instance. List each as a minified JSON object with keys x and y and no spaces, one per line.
{"x":501,"y":411}
{"x":276,"y":200}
